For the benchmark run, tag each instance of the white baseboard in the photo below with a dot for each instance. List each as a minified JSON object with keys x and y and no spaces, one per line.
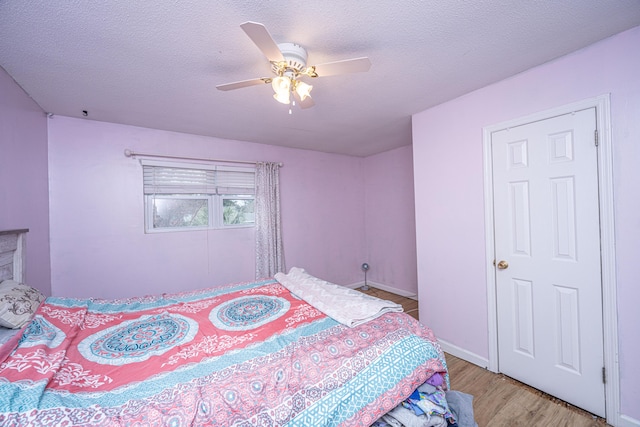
{"x":382,"y":287}
{"x":464,"y":354}
{"x":626,"y":421}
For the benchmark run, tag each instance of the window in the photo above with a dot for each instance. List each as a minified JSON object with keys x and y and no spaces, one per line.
{"x":184,"y":196}
{"x":238,"y":210}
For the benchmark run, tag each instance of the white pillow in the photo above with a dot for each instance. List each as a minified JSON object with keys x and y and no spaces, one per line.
{"x":18,"y":303}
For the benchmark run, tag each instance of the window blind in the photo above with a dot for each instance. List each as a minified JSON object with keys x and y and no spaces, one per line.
{"x":197,"y":179}
{"x":235,"y":180}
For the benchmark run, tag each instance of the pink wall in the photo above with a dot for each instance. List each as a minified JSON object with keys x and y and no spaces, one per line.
{"x":23,"y":174}
{"x":449,"y":192}
{"x":390,"y":220}
{"x":98,"y":243}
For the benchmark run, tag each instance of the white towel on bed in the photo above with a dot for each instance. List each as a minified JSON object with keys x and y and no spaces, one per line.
{"x":344,"y":305}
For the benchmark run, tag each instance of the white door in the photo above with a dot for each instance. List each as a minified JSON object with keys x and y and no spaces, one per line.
{"x":547,"y":237}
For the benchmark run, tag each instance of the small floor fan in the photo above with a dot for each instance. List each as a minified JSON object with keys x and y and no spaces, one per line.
{"x":365,"y":268}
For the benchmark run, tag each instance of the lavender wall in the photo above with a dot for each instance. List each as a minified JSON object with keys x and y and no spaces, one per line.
{"x":390,"y":220}
{"x":449,"y":195}
{"x":98,"y":243}
{"x":24,"y":201}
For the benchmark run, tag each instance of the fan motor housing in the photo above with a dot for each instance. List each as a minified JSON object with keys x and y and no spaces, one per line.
{"x":295,"y":57}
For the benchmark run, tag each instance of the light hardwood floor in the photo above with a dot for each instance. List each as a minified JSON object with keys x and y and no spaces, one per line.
{"x":500,"y":401}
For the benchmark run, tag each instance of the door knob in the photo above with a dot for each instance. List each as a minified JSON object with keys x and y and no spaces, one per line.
{"x":503,"y":265}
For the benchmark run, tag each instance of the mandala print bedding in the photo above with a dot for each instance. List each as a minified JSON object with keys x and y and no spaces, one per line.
{"x":243,"y":355}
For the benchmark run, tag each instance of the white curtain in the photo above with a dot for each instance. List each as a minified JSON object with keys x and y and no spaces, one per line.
{"x":269,"y":252}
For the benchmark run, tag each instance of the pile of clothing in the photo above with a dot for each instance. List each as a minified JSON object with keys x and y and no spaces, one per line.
{"x":431,"y":406}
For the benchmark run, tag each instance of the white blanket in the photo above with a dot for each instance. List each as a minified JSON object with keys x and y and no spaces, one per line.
{"x":344,"y":305}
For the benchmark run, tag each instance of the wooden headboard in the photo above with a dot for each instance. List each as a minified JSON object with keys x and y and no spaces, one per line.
{"x":13,"y":251}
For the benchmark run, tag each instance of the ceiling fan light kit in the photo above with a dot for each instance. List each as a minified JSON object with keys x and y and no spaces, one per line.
{"x":289,"y":64}
{"x":289,"y":72}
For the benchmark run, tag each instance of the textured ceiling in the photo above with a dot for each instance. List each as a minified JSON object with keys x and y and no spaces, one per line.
{"x":156,"y":63}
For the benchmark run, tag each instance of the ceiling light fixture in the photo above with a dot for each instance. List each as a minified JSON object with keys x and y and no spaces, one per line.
{"x":289,"y":72}
{"x":283,"y":86}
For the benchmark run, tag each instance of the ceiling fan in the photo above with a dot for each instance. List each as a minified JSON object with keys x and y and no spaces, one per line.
{"x":289,"y":66}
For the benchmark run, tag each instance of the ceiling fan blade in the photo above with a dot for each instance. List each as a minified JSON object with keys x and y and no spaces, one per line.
{"x":355,"y":65}
{"x":243,"y":83}
{"x":261,"y":37}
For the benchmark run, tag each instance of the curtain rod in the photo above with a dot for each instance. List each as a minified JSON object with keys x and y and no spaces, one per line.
{"x":129,"y":153}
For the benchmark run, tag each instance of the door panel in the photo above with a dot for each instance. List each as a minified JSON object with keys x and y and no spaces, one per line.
{"x":523,"y":313}
{"x":520,"y":218}
{"x":546,"y":224}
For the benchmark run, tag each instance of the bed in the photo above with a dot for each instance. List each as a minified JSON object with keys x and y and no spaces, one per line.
{"x":247,"y":354}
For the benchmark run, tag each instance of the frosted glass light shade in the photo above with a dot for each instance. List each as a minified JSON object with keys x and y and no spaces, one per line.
{"x":303,"y":90}
{"x":281,"y":86}
{"x":282,"y":97}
